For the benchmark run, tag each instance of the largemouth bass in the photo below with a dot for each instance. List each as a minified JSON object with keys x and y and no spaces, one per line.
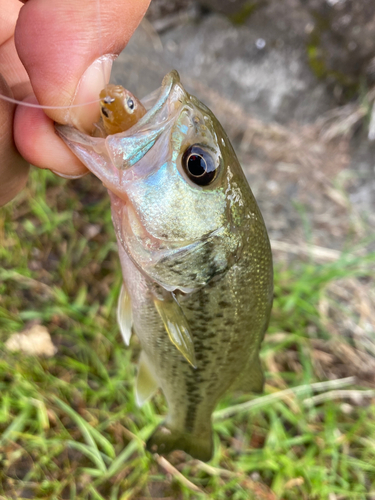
{"x":195,"y":257}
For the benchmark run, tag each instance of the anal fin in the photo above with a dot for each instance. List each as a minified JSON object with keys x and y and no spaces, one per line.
{"x":177,"y":327}
{"x":124,"y":314}
{"x":146,"y":384}
{"x":252,"y":380}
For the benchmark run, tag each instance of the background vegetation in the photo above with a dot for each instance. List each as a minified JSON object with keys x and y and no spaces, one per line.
{"x":69,"y":426}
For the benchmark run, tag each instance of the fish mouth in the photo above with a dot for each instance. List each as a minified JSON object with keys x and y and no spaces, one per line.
{"x":110,"y":158}
{"x":156,"y":101}
{"x":125,"y":149}
{"x":113,"y":160}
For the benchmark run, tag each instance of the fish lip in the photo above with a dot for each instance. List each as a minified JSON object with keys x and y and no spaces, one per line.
{"x":125,"y":149}
{"x":168,"y":83}
{"x":154,"y":108}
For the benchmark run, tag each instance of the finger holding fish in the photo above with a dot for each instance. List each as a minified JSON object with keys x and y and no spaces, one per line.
{"x":13,"y":168}
{"x":67,"y":60}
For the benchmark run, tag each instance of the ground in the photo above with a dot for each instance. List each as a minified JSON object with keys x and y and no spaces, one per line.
{"x":69,"y":426}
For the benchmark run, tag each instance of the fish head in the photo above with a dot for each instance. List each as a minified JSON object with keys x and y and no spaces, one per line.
{"x":179,"y":197}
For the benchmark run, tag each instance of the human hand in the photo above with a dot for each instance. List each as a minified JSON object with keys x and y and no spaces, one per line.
{"x":51,"y":53}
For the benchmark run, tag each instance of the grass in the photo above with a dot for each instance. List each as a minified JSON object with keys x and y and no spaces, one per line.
{"x":69,"y":425}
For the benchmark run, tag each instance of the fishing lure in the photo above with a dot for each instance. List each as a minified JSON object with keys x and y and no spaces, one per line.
{"x":119,"y":110}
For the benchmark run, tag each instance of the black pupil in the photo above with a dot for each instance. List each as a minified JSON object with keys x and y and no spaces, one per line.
{"x":200,"y":164}
{"x":197,"y":165}
{"x":131,"y":103}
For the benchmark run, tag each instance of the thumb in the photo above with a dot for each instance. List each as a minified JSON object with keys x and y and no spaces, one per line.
{"x":68,"y":60}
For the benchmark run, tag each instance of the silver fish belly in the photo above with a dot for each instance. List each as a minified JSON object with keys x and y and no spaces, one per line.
{"x":195,"y":258}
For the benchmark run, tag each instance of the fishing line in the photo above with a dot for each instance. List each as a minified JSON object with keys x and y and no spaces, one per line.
{"x":40,"y":106}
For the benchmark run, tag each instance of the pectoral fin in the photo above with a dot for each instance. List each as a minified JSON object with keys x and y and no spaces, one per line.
{"x":124,"y":315}
{"x":252,"y":379}
{"x":146,"y":384}
{"x":177,"y":327}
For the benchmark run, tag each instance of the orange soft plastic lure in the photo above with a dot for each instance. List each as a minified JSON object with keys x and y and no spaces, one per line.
{"x":119,"y":109}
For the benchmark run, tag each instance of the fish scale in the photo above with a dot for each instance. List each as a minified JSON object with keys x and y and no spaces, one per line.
{"x":195,"y":258}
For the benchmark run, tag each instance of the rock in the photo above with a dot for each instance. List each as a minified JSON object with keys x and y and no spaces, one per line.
{"x":334,"y":38}
{"x":159,"y":9}
{"x":239,"y":10}
{"x":362,"y":192}
{"x":262,"y":66}
{"x":342,"y":41}
{"x":35,"y":341}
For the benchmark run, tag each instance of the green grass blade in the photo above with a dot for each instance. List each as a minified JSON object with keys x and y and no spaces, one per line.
{"x":17,"y":425}
{"x":89,"y":453}
{"x":132,"y":447}
{"x":85,"y":429}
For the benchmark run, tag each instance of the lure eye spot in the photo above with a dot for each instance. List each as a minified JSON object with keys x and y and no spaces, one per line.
{"x":130,"y":104}
{"x":199,"y":165}
{"x":105,"y":112}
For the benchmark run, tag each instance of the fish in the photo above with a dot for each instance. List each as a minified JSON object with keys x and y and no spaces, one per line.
{"x":195,"y":257}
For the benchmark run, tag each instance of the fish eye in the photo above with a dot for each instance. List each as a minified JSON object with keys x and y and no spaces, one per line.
{"x":199,"y":165}
{"x":130,"y":104}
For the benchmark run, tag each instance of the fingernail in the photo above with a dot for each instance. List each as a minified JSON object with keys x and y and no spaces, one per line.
{"x":66,"y":176}
{"x":93,"y":80}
